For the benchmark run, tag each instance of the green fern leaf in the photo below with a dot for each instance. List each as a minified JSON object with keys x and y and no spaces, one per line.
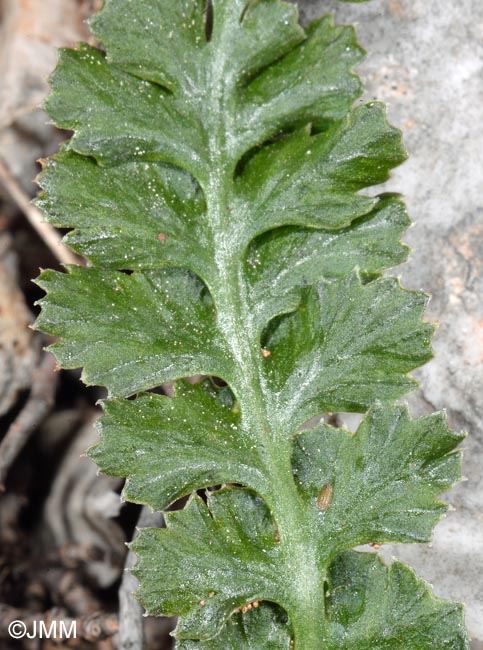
{"x":369,"y":607}
{"x":231,"y":541}
{"x":372,"y":607}
{"x":198,"y":434}
{"x":132,"y":332}
{"x":214,"y":182}
{"x":378,"y":485}
{"x":263,"y":627}
{"x":383,"y":479}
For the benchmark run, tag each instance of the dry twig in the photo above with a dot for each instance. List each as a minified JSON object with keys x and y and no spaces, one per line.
{"x":39,"y":403}
{"x":49,"y":235}
{"x":131,"y":622}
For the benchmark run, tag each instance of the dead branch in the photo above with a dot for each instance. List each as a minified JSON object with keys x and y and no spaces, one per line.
{"x":131,"y":621}
{"x":48,"y":233}
{"x":39,"y":403}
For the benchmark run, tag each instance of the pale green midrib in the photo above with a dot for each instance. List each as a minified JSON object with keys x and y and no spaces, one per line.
{"x":298,"y":547}
{"x":304,"y":582}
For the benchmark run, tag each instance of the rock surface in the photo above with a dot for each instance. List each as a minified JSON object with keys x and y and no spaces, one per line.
{"x":426,"y":62}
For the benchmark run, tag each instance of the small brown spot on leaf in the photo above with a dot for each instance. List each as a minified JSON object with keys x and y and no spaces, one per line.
{"x":161,"y":237}
{"x":266,"y":353}
{"x":202,"y":603}
{"x":324,"y":498}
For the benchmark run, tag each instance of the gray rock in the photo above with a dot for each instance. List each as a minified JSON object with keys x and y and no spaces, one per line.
{"x":426,"y":62}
